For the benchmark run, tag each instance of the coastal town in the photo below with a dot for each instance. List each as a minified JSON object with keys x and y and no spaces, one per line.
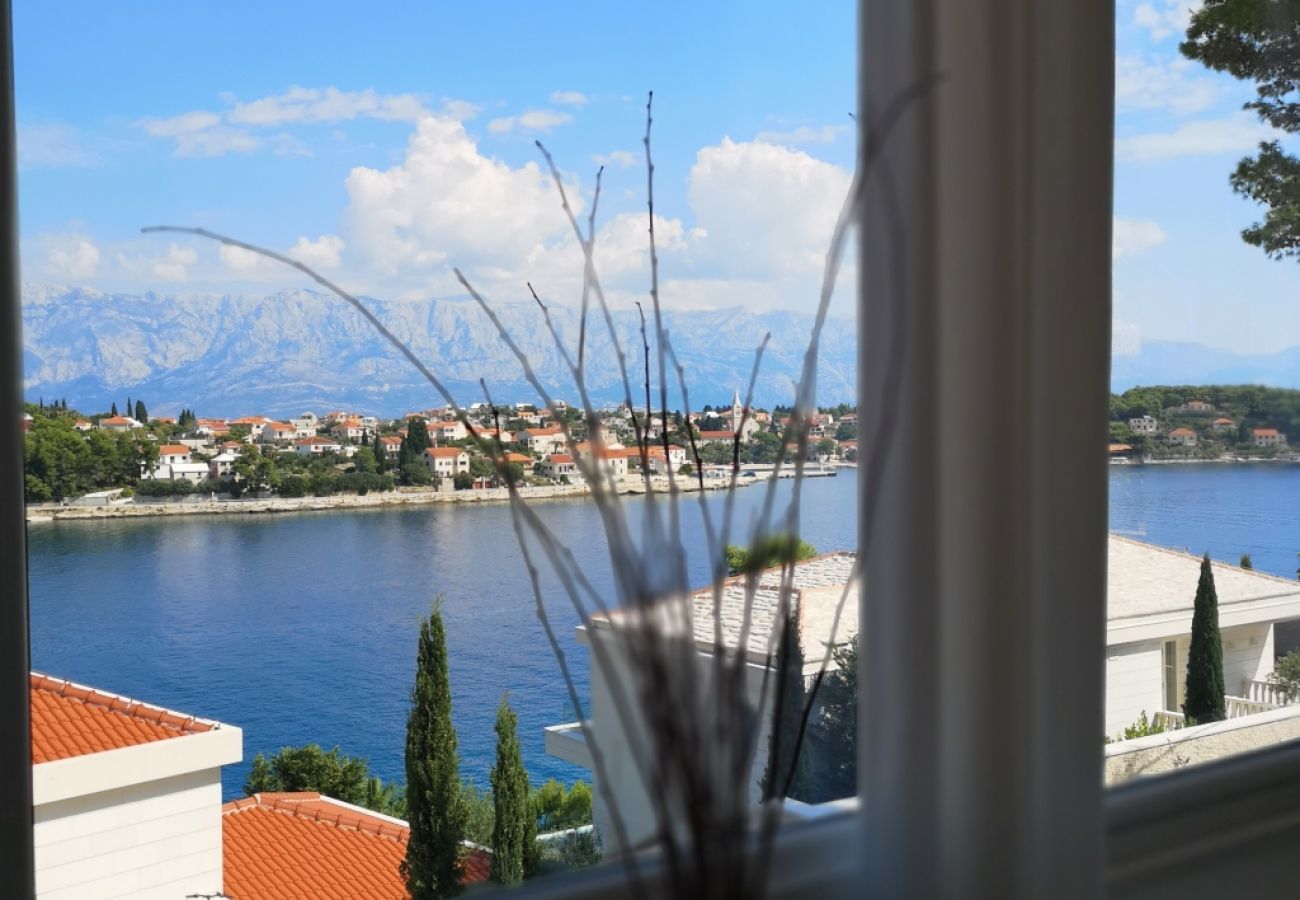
{"x":129,"y":457}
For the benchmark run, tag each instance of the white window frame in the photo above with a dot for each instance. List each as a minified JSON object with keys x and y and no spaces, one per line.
{"x":984,"y":604}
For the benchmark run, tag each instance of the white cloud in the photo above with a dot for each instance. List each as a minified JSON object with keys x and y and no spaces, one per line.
{"x":1164,"y":18}
{"x":171,"y":265}
{"x":569,"y":98}
{"x":208,"y":133}
{"x":763,"y":208}
{"x":74,"y":257}
{"x":300,"y":104}
{"x":53,"y":145}
{"x":447,"y":201}
{"x":803,"y":135}
{"x":285,"y":144}
{"x":323,"y":253}
{"x":1233,"y":134}
{"x":1132,"y":236}
{"x":542,"y":120}
{"x":199,"y":133}
{"x":460,"y":110}
{"x":1175,"y":85}
{"x":621,"y":158}
{"x":239,"y":259}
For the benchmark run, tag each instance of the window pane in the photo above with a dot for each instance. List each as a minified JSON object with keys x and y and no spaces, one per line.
{"x":1204,"y":603}
{"x":245,"y":502}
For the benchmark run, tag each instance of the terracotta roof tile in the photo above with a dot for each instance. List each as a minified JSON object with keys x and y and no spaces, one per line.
{"x":73,"y":720}
{"x":301,"y":845}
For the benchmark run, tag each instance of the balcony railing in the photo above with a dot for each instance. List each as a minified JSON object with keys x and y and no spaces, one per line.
{"x":1267,"y":692}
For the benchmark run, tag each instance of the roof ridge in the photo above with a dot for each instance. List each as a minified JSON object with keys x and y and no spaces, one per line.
{"x":292,"y":803}
{"x":132,"y":708}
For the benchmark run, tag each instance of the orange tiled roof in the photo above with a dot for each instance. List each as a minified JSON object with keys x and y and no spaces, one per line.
{"x":1265,"y":432}
{"x":300,"y":845}
{"x":116,"y":420}
{"x":444,"y":452}
{"x":73,"y":720}
{"x":173,"y":450}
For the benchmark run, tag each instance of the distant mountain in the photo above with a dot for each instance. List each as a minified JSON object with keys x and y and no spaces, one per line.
{"x":298,"y":350}
{"x":1173,"y":363}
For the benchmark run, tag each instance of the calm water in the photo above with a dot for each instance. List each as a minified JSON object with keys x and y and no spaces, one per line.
{"x":302,"y":628}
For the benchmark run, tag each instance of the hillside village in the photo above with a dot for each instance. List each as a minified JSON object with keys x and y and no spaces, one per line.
{"x":117,"y":454}
{"x":1204,"y":423}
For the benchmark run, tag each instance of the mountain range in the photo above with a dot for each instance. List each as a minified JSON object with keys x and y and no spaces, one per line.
{"x":296,"y":350}
{"x":227,"y":355}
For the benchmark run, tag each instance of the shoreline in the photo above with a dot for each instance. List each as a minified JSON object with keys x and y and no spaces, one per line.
{"x":279,"y":505}
{"x":1221,"y":461}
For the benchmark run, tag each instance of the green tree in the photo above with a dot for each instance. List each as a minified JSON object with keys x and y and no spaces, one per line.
{"x":1259,"y":41}
{"x":783,"y":749}
{"x":141,"y":414}
{"x":113,"y":409}
{"x":332,"y":773}
{"x":514,"y":831}
{"x":773,"y":550}
{"x":1204,"y":695}
{"x":1286,"y":676}
{"x":1246,"y":562}
{"x":437,"y":813}
{"x":364,"y":460}
{"x":838,"y":774}
{"x":557,"y":809}
{"x":417,"y":436}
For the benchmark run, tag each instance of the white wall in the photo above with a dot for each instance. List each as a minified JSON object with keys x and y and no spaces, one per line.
{"x":1135,"y":672}
{"x":1134,"y":683}
{"x":158,"y":839}
{"x":614,"y":742}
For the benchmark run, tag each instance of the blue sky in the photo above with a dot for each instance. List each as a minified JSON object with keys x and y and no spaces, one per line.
{"x":387,"y":145}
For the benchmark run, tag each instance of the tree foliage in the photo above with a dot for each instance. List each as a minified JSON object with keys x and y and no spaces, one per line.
{"x":773,"y":550}
{"x":1205,"y":692}
{"x":785,"y":761}
{"x":433,"y":790}
{"x":837,"y":774}
{"x":332,"y":773}
{"x":1259,"y":41}
{"x":1286,"y":676}
{"x":514,"y":828}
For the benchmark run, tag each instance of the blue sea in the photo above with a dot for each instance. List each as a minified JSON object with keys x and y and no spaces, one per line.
{"x":302,"y":627}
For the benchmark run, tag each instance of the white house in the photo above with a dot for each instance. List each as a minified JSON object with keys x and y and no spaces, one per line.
{"x":170,"y":454}
{"x":1150,"y":596}
{"x":126,"y":795}
{"x":1149,"y":623}
{"x":543,"y":441}
{"x":277,"y":433}
{"x":450,"y":430}
{"x":1143,"y":425}
{"x":222,"y":465}
{"x":1268,"y":437}
{"x":611,"y":459}
{"x":349,"y":430}
{"x":316,"y":445}
{"x":446,"y":462}
{"x":558,"y":466}
{"x":391,"y":444}
{"x":1182,"y":437}
{"x":662,"y":465}
{"x":119,"y":423}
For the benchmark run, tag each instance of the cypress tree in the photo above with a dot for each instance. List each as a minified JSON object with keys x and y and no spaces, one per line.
{"x":418,"y":435}
{"x":783,"y":741}
{"x":141,"y":414}
{"x":514,"y":829}
{"x":435,"y":809}
{"x":113,"y":411}
{"x":1246,"y":562}
{"x":381,"y":463}
{"x":129,"y":407}
{"x":1204,"y":695}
